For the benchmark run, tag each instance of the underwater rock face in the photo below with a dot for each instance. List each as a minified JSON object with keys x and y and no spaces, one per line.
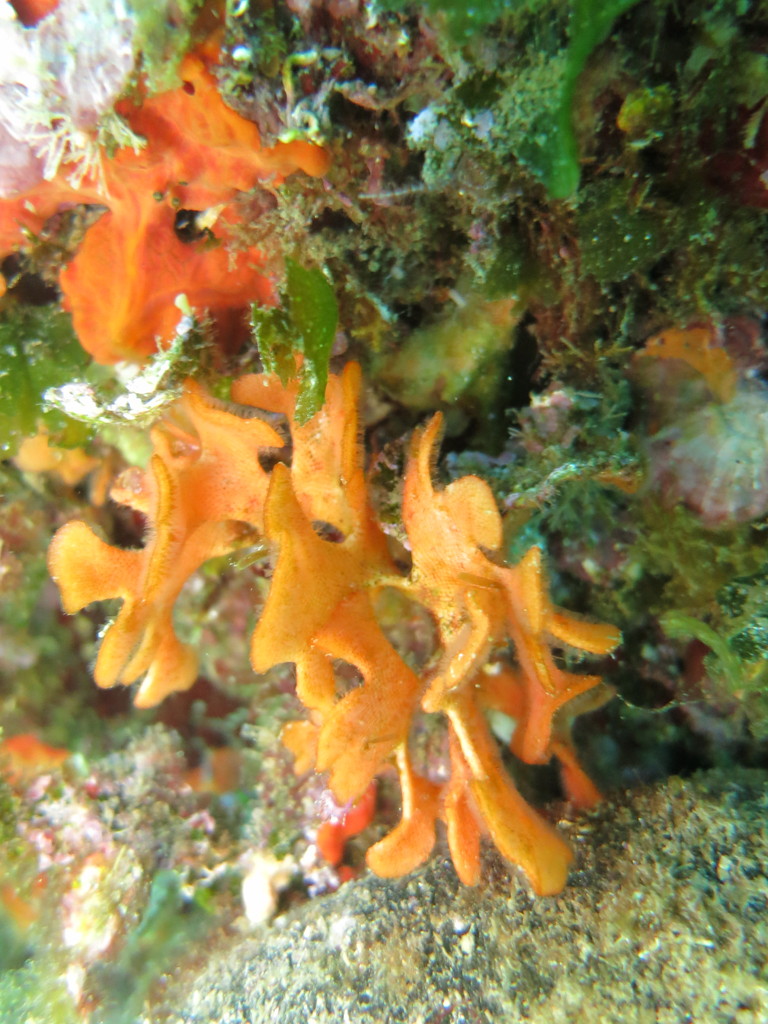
{"x":714,"y":459}
{"x":662,"y":921}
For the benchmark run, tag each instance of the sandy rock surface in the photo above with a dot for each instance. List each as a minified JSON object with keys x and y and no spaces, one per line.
{"x":665,"y":920}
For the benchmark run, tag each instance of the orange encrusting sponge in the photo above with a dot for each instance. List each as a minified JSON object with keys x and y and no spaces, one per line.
{"x":198,"y":155}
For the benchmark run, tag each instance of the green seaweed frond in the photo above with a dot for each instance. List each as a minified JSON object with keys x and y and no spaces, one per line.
{"x":305,"y":325}
{"x":38,"y":350}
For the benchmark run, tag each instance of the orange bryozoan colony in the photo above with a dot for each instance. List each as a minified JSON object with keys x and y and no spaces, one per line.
{"x":206,"y":492}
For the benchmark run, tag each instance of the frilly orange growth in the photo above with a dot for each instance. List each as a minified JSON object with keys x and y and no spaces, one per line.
{"x":700,"y":347}
{"x":206,"y":492}
{"x":199,"y":155}
{"x":203,"y":486}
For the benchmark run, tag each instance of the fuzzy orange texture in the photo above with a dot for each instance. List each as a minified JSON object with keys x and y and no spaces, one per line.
{"x":699,"y":347}
{"x":203,"y":495}
{"x":206,"y":490}
{"x":203,"y":485}
{"x":25,"y":755}
{"x":479,"y":606}
{"x":37,"y":455}
{"x":199,"y":155}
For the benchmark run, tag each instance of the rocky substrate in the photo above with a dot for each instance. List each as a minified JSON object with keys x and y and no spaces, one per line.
{"x":664,"y":921}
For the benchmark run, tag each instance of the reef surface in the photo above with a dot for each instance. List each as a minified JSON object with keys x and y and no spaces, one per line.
{"x":664,"y":921}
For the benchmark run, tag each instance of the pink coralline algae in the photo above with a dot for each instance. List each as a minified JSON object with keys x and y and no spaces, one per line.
{"x":714,"y":459}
